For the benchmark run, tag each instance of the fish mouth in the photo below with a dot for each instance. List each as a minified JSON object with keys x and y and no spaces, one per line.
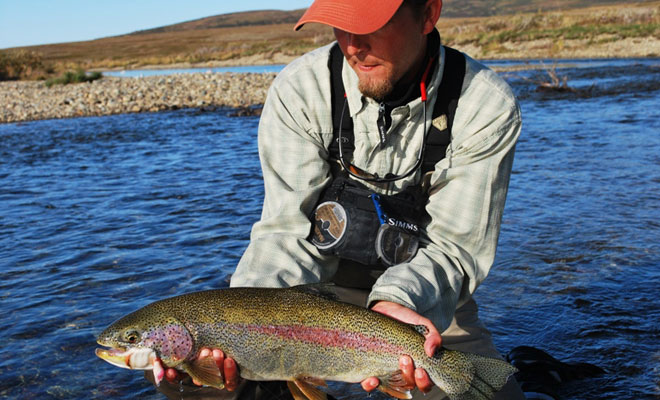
{"x":133,"y":358}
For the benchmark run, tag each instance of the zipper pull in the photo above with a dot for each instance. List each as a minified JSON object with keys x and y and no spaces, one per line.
{"x":381,"y":124}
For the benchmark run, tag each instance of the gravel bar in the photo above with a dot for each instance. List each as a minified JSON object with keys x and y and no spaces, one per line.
{"x":29,"y":100}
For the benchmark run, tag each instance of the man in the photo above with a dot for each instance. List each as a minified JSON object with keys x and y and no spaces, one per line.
{"x":393,"y":62}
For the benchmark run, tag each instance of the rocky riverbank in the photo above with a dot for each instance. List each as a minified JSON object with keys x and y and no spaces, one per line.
{"x":27,"y":101}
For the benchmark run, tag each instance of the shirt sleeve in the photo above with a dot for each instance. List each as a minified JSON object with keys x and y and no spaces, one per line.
{"x":467,"y":196}
{"x":293,"y":160}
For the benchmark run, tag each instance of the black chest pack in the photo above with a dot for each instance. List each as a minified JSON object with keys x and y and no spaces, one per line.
{"x":355,"y":223}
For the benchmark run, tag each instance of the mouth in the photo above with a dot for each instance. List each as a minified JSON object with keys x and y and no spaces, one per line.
{"x":364,"y":64}
{"x":364,"y":67}
{"x":367,"y":68}
{"x":133,"y":358}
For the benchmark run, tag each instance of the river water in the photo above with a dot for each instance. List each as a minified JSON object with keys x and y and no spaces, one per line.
{"x":102,"y":215}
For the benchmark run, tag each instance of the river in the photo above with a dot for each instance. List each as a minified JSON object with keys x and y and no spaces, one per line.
{"x":102,"y":215}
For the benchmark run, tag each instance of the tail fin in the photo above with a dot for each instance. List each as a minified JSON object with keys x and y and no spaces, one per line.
{"x":464,"y":376}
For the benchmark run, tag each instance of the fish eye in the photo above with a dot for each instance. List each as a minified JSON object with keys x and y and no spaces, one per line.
{"x":131,"y":336}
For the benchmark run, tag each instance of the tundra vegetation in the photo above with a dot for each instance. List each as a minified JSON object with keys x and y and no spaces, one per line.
{"x":266,"y":37}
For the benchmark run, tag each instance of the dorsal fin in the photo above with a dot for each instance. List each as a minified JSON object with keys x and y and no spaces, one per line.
{"x":421,"y":329}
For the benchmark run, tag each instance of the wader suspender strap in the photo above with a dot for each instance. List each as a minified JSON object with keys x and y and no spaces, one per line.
{"x":439,"y":136}
{"x":336,"y":65}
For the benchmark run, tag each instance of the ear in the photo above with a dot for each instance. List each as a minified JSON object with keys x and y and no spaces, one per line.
{"x":431,"y":15}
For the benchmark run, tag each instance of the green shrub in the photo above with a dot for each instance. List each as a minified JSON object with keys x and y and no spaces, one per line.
{"x":74,"y":77}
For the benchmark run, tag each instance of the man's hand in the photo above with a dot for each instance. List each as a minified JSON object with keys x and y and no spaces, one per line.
{"x":414,"y":377}
{"x":226,"y":365}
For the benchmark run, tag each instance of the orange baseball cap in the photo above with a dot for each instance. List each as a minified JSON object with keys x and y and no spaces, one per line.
{"x":355,"y":16}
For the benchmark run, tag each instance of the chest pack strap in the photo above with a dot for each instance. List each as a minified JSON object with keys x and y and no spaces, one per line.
{"x":439,"y":136}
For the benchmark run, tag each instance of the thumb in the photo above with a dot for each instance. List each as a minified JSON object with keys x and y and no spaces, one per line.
{"x":432,"y":343}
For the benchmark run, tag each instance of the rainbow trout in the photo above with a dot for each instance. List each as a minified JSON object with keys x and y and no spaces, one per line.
{"x":293,"y":335}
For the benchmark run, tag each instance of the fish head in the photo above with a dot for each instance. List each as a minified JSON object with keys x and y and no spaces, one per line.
{"x":138,"y":339}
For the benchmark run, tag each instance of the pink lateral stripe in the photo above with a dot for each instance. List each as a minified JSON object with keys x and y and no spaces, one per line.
{"x":327,"y":337}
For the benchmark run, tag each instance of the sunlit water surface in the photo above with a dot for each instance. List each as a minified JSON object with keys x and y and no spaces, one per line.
{"x":99,"y":216}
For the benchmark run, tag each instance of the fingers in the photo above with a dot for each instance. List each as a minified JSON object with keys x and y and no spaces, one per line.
{"x":230,"y":374}
{"x":226,"y":365}
{"x":408,"y":371}
{"x":422,"y":380}
{"x":370,"y":384}
{"x":159,"y":371}
{"x":204,"y":352}
{"x":217,"y":355}
{"x":172,"y":375}
{"x":414,"y":377}
{"x":433,"y":342}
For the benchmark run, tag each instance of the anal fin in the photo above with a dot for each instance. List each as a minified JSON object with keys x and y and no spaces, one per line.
{"x":313,"y":381}
{"x":205,"y":371}
{"x":395,"y":386}
{"x":303,"y":389}
{"x":295,"y":392}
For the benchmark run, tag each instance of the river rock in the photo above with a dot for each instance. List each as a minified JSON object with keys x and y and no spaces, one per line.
{"x":29,"y":100}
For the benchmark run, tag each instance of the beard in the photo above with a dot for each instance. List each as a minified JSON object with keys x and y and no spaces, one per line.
{"x":376,"y":89}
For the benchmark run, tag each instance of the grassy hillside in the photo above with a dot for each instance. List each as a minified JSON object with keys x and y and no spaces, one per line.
{"x":488,"y":8}
{"x":632,"y":30}
{"x":241,"y":19}
{"x":526,"y":31}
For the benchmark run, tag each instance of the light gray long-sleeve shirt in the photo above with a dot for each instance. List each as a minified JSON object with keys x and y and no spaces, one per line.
{"x":467,"y":188}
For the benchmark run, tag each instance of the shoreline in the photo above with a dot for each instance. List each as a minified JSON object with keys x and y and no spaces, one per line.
{"x":24,"y":101}
{"x":547,"y":49}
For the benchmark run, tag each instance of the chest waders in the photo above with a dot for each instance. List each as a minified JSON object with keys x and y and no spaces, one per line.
{"x":370,"y":231}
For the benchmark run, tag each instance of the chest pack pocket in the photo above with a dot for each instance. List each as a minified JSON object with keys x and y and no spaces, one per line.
{"x":354,"y":223}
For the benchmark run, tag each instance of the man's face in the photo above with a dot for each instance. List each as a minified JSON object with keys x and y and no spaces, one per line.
{"x":380,"y":59}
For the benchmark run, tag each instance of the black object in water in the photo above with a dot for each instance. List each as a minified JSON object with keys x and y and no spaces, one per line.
{"x":539,"y":374}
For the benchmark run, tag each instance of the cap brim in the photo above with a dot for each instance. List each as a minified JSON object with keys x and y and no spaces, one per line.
{"x":360,"y":17}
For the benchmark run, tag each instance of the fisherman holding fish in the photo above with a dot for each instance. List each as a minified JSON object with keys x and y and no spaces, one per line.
{"x":386,"y":160}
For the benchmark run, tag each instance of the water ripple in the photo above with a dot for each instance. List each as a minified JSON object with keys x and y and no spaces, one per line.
{"x":103,"y":215}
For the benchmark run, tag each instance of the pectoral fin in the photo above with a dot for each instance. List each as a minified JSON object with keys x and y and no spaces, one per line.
{"x":205,"y":371}
{"x":301,"y":390}
{"x":395,"y":386}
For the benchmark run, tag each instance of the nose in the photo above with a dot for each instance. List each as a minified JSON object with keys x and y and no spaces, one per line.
{"x":357,"y":43}
{"x":352,"y":43}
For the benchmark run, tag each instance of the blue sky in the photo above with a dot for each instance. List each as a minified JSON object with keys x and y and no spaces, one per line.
{"x":32,"y":22}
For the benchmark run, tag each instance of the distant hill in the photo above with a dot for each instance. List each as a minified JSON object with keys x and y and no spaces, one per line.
{"x":488,"y":8}
{"x":482,"y":28}
{"x":232,"y":20}
{"x":451,"y":9}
